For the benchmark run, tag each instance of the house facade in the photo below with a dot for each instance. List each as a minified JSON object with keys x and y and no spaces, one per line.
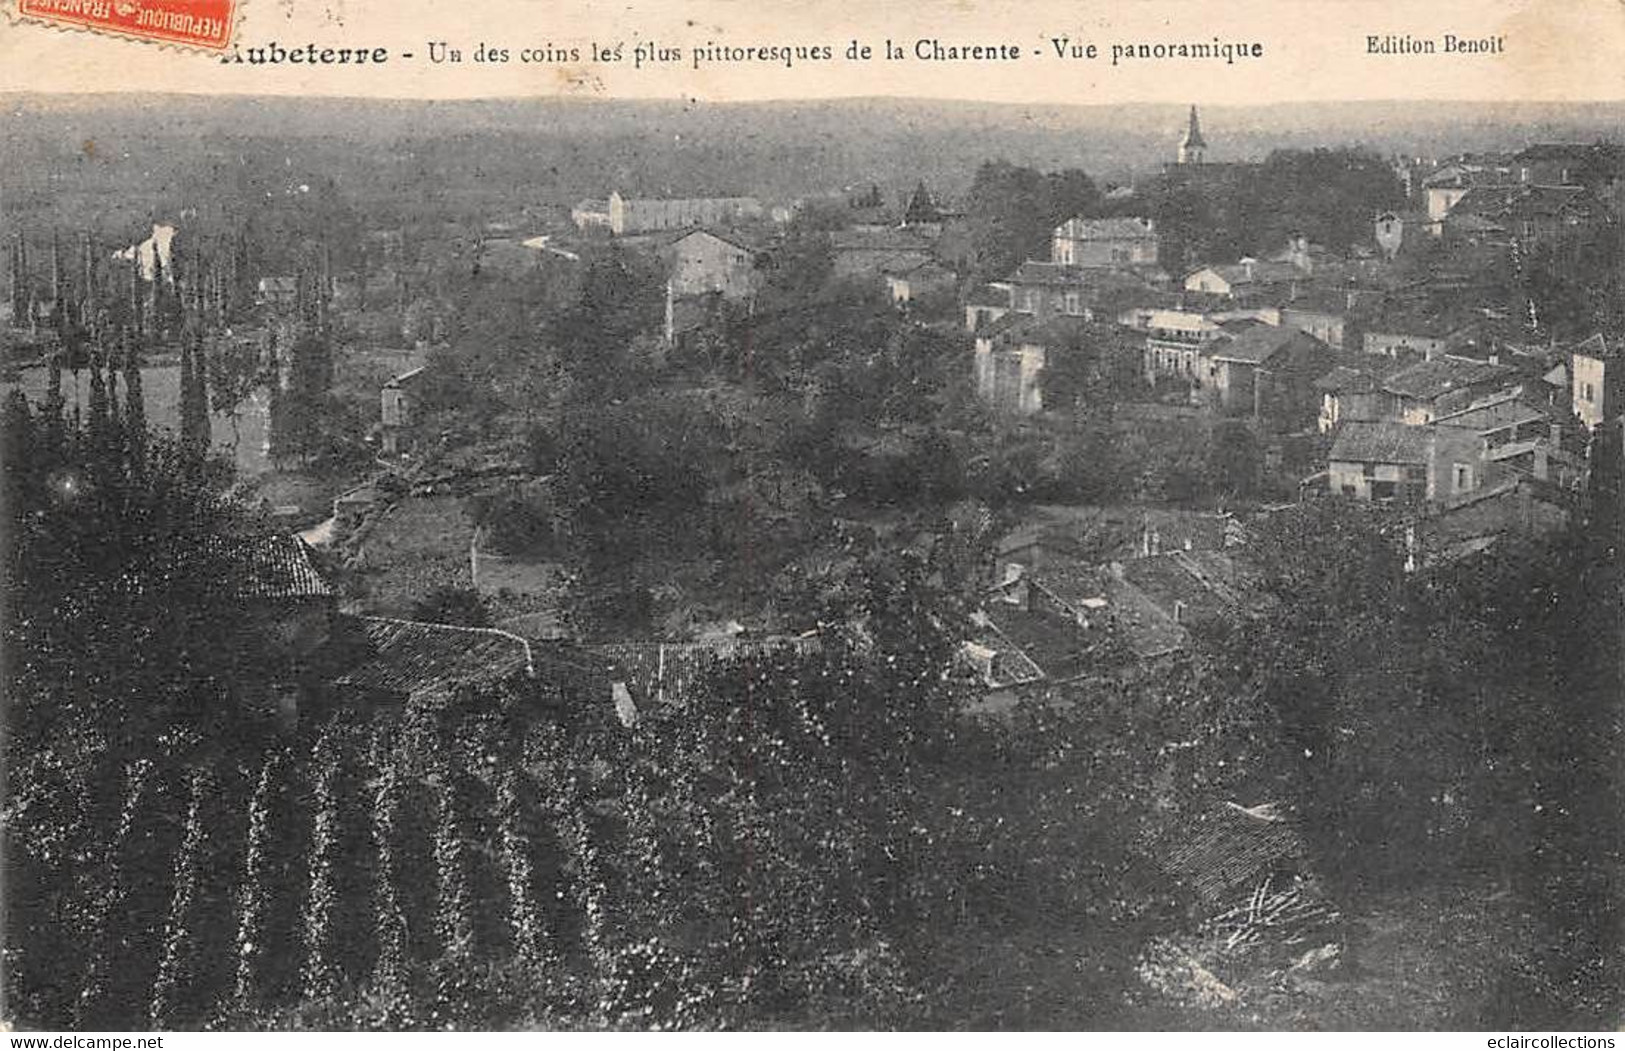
{"x":1266,"y":370}
{"x":1598,"y":381}
{"x":702,"y":262}
{"x":637,"y":215}
{"x":1009,"y":360}
{"x":1430,"y":389}
{"x":398,"y":403}
{"x":1117,"y":241}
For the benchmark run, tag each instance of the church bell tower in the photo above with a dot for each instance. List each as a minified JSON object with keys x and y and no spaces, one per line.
{"x":1192,"y":146}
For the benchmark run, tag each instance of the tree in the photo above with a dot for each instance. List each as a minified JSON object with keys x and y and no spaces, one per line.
{"x":1012,"y":211}
{"x":194,"y":396}
{"x":453,"y":605}
{"x":1234,"y":460}
{"x":302,"y":411}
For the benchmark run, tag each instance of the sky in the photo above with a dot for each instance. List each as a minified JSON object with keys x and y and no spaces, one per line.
{"x":1554,"y":50}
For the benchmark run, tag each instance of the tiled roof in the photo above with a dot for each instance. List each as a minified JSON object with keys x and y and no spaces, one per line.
{"x":1427,"y":380}
{"x":898,"y":240}
{"x":1259,"y":344}
{"x":1113,"y":228}
{"x":1135,"y":621}
{"x":415,"y":659}
{"x":988,"y":296}
{"x":1200,"y":581}
{"x":1053,"y":331}
{"x":1508,"y":410}
{"x":265,"y":567}
{"x":1261,"y":271}
{"x":1005,"y":663}
{"x":737,"y":238}
{"x":1360,"y":441}
{"x":1345,"y":380}
{"x":1055,"y":645}
{"x":1006,"y":326}
{"x":1594,"y":346}
{"x":1038,"y":272}
{"x":1229,"y":849}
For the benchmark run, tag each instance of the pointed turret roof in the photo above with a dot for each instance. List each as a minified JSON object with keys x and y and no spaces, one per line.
{"x":1193,"y":134}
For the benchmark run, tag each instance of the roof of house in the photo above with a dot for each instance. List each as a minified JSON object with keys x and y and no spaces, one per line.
{"x":920,"y":270}
{"x":406,"y":377}
{"x":1493,"y":414}
{"x":1473,"y":223}
{"x":897,"y":239}
{"x":277,"y":566}
{"x":1108,"y":229}
{"x":1595,"y":346}
{"x":1380,"y":441}
{"x":1053,"y":331}
{"x":1134,"y":620}
{"x":1431,"y":379}
{"x":988,"y":296}
{"x":1005,"y":327}
{"x":1256,"y":272}
{"x":1038,"y":272}
{"x":1344,"y":379}
{"x":1259,"y":344}
{"x":1230,"y":848}
{"x":1007,"y":664}
{"x":1058,"y":647}
{"x":1207,"y":584}
{"x":416,"y":659}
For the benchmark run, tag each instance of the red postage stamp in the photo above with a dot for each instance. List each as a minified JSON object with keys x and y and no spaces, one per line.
{"x":193,"y":23}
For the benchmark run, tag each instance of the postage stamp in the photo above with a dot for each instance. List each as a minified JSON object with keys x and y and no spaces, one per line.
{"x":190,"y":23}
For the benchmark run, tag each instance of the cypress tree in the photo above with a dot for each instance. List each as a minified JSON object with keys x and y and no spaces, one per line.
{"x":135,"y":410}
{"x":190,"y":410}
{"x":102,"y":439}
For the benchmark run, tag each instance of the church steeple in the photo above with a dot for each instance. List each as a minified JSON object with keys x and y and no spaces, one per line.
{"x":1193,"y":146}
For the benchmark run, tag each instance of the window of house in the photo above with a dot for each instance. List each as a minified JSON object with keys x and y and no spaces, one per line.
{"x":1590,"y":392}
{"x":1461,"y":477}
{"x":1074,"y":303}
{"x":1369,"y":470}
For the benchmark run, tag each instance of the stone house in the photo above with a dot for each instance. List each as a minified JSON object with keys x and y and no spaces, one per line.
{"x":1265,"y":371}
{"x":639,"y":215}
{"x":700,"y":262}
{"x":1111,"y":242}
{"x":1428,"y":389}
{"x":1598,"y":377}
